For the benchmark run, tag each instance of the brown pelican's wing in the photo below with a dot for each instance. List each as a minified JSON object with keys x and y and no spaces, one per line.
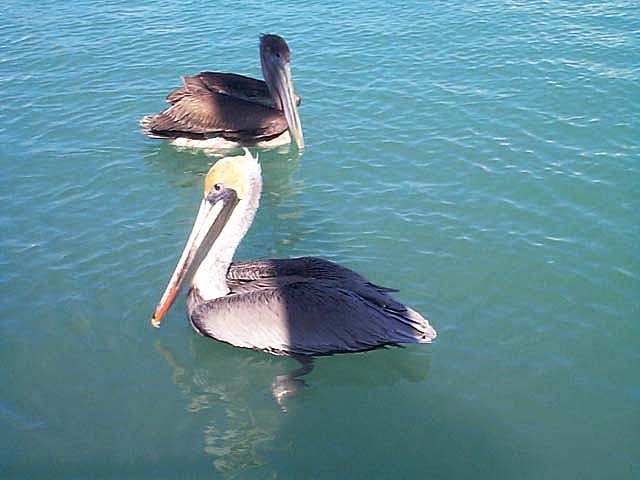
{"x":231,"y":84}
{"x":248,"y":273}
{"x":294,"y":315}
{"x":197,"y":110}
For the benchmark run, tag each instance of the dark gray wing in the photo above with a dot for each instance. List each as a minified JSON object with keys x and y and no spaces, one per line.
{"x":305,"y":315}
{"x":249,"y":273}
{"x":197,"y":110}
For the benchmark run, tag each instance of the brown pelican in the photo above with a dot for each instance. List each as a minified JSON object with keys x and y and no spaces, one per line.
{"x":300,"y":307}
{"x":225,"y":110}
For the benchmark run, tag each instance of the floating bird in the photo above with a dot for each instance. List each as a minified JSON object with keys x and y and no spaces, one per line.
{"x":302,"y":307}
{"x":226,"y":110}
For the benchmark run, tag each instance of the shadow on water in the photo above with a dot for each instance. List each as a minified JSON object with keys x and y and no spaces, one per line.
{"x":177,"y":162}
{"x":174,"y":164}
{"x":229,"y":388}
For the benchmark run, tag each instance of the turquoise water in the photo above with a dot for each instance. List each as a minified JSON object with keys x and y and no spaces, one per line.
{"x":482,"y":157}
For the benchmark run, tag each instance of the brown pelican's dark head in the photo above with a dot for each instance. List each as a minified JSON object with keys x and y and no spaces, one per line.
{"x":275,"y":58}
{"x":231,"y":193}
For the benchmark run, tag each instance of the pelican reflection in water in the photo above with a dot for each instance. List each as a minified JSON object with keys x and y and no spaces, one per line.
{"x":300,"y":307}
{"x":226,"y":110}
{"x":234,"y":425}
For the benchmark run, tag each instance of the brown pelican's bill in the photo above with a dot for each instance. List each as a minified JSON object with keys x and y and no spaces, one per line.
{"x":275,"y":58}
{"x":212,"y":216}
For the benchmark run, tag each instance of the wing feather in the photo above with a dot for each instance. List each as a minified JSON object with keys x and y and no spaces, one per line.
{"x":305,"y":306}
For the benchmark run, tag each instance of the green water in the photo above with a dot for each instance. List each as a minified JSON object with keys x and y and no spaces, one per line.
{"x":481,"y":157}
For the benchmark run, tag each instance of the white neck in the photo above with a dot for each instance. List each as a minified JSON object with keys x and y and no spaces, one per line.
{"x":211,"y":277}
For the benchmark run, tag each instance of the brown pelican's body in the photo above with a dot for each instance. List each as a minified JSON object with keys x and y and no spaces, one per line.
{"x":301,"y":307}
{"x":304,"y":306}
{"x":226,"y":110}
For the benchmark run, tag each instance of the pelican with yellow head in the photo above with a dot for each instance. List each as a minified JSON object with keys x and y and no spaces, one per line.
{"x":300,"y":306}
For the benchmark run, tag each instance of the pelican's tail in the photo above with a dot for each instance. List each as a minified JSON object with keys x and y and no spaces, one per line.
{"x":147,"y":122}
{"x":419,"y":331}
{"x":160,"y":125}
{"x":426,"y":333}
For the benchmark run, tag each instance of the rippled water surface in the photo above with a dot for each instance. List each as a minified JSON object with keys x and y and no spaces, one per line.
{"x":482,"y":157}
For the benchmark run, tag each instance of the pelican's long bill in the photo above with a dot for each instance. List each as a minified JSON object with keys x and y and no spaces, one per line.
{"x":276,"y":68}
{"x":215,"y":209}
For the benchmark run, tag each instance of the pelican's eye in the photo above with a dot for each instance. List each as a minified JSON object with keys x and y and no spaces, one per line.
{"x":216,"y":193}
